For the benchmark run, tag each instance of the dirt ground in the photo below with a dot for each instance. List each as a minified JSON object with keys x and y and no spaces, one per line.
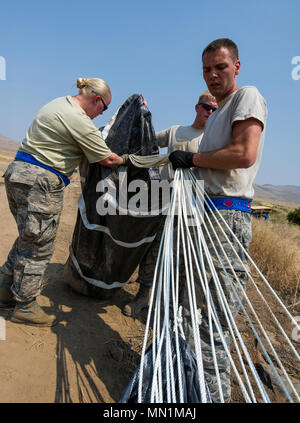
{"x":93,"y":351}
{"x":90,"y":355}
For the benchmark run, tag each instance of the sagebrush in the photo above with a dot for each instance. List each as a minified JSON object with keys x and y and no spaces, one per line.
{"x":275,"y":250}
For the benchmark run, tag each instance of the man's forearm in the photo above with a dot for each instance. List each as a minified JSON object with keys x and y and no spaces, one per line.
{"x":231,"y":157}
{"x":240,"y":154}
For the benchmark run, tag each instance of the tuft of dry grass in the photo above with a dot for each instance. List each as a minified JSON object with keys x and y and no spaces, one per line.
{"x":276,"y":252}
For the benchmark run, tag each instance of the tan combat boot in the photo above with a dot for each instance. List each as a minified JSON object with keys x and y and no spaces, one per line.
{"x":30,"y":313}
{"x":6,"y":296}
{"x":141,"y":300}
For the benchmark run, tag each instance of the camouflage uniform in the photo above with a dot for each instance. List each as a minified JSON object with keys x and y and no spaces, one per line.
{"x":35,"y":197}
{"x":240,"y":224}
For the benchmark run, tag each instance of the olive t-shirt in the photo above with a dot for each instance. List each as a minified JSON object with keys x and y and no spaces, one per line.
{"x":243,"y":104}
{"x":185,"y":138}
{"x":61,"y":134}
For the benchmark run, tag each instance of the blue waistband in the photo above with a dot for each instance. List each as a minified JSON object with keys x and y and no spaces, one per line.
{"x":228,"y":203}
{"x":25,"y":157}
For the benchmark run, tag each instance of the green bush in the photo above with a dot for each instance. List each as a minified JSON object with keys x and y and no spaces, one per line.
{"x":294,"y":216}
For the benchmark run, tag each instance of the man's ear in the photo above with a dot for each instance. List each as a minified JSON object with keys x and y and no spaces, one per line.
{"x":237,"y":67}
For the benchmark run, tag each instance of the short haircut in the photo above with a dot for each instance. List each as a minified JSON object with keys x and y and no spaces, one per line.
{"x":223,"y":42}
{"x":206,"y":94}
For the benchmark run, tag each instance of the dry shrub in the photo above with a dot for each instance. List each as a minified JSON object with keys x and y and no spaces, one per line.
{"x":275,"y":251}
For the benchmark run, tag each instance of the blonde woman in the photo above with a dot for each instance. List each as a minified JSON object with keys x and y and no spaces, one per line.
{"x":59,"y":136}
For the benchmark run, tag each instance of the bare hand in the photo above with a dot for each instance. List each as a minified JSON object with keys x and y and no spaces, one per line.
{"x":144,"y":100}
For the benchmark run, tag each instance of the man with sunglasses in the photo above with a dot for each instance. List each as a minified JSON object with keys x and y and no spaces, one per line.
{"x":187,"y":138}
{"x":183,"y":138}
{"x":228,"y":159}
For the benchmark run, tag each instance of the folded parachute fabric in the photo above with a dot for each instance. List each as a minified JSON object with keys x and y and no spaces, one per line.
{"x":149,"y":161}
{"x":107,"y":247}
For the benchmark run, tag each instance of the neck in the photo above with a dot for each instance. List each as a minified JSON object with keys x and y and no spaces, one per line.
{"x":219,"y":99}
{"x":198,"y":125}
{"x":82,"y":102}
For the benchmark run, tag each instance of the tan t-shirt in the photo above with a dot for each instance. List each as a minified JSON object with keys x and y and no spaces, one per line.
{"x":61,"y":134}
{"x":243,"y":104}
{"x":185,"y":138}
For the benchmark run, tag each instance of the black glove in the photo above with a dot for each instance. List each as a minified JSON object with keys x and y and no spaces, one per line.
{"x":181,"y":159}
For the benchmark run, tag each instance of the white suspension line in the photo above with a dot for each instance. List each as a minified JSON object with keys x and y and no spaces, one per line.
{"x":267,"y":338}
{"x":195,"y":324}
{"x":167,"y":291}
{"x":249,"y":275}
{"x":215,"y":277}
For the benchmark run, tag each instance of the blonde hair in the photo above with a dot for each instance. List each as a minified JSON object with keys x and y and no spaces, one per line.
{"x":91,"y":86}
{"x":208,"y":95}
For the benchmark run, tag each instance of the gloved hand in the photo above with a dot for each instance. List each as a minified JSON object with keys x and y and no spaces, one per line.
{"x":181,"y":159}
{"x":126,"y":160}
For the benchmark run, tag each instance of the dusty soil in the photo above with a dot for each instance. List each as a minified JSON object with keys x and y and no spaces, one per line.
{"x":93,"y":351}
{"x":90,"y":355}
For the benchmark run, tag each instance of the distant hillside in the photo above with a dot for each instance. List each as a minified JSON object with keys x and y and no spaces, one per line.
{"x":8,"y":145}
{"x":281,"y":193}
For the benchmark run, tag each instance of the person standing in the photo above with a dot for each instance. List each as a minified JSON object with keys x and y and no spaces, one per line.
{"x":59,"y":136}
{"x":227,"y":160}
{"x":184,"y":138}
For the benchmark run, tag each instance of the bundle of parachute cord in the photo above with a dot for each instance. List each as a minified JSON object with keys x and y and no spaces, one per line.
{"x":188,"y":198}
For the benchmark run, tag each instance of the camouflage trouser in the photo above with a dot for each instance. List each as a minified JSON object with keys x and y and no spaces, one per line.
{"x":35,"y":197}
{"x":240,"y":224}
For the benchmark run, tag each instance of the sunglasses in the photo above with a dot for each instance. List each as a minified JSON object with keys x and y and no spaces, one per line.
{"x":104,"y":105}
{"x":208,"y":107}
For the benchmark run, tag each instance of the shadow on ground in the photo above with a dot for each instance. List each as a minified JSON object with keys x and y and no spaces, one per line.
{"x":103,"y":361}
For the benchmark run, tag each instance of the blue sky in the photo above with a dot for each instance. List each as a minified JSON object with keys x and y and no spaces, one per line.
{"x":153,"y":48}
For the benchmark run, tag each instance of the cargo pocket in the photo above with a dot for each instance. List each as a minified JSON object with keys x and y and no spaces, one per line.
{"x":32,"y":280}
{"x":40,"y":228}
{"x":46,"y":196}
{"x":20,"y":173}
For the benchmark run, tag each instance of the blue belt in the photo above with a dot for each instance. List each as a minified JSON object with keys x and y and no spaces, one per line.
{"x":25,"y":157}
{"x":228,"y":203}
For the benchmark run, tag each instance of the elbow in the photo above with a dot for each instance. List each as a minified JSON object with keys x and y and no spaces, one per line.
{"x":247,"y":161}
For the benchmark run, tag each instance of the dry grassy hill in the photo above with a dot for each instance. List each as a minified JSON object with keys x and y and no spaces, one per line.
{"x":279,"y":193}
{"x":8,"y":148}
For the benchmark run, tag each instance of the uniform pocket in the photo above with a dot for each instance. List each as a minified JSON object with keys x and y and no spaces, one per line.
{"x":46,"y":196}
{"x":49,"y":182}
{"x":32,"y":280}
{"x":40,"y":228}
{"x":20,"y":172}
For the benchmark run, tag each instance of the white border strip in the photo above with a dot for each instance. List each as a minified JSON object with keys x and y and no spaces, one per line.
{"x":95,"y":282}
{"x":100,"y":228}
